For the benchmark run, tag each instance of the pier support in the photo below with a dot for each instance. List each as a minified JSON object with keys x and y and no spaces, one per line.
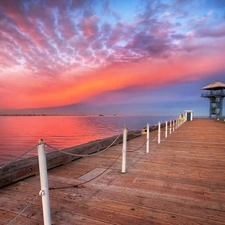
{"x":44,"y":183}
{"x":147,"y":142}
{"x":166,"y":130}
{"x":124,"y":150}
{"x":159,"y":126}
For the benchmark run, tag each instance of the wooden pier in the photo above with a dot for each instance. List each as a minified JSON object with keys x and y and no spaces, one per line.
{"x":181,"y":181}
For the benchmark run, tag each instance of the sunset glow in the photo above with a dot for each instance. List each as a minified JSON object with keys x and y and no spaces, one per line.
{"x":109,"y":53}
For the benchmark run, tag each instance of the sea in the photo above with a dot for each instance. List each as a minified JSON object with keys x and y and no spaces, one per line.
{"x":19,"y":134}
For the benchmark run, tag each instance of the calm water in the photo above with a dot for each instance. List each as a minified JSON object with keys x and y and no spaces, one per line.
{"x":20,"y":133}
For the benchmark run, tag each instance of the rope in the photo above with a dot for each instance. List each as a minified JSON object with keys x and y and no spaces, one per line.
{"x":77,"y":185}
{"x":154,"y":138}
{"x":139,"y":147}
{"x":19,"y":156}
{"x":68,"y":153}
{"x":132,"y":132}
{"x":28,"y":205}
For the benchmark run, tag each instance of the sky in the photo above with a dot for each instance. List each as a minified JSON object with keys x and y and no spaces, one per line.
{"x":131,"y":57}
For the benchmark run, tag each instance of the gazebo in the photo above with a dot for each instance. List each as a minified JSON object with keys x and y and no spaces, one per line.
{"x":215,"y":95}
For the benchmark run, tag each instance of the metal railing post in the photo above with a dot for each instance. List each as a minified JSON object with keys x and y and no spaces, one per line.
{"x":159,"y":133}
{"x":124,"y":150}
{"x":44,"y":183}
{"x":166,"y":130}
{"x":147,"y":143}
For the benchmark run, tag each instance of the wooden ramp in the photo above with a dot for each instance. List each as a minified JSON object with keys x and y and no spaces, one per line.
{"x":181,"y":181}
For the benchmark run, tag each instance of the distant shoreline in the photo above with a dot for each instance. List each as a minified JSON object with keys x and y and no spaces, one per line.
{"x":24,"y":115}
{"x":31,"y":114}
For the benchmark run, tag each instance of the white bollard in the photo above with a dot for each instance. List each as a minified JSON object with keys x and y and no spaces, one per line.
{"x":166,"y":130}
{"x":124,"y":150}
{"x":170,"y":126}
{"x":44,"y":183}
{"x":147,"y":143}
{"x":159,"y":133}
{"x":173,"y":125}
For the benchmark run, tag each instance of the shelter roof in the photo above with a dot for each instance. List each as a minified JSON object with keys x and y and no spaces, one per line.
{"x":215,"y":86}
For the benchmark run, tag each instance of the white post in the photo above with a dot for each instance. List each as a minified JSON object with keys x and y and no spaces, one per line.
{"x":166,"y":130}
{"x":124,"y":150}
{"x":159,"y":133}
{"x":44,"y":183}
{"x":170,"y":126}
{"x":173,"y":125}
{"x":147,"y":143}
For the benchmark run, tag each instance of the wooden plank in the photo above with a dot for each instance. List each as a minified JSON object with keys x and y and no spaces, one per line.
{"x":119,"y":212}
{"x":10,"y":208}
{"x":178,"y":182}
{"x":22,"y":169}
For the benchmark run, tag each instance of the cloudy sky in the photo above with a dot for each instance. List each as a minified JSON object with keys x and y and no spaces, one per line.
{"x":110,"y":56}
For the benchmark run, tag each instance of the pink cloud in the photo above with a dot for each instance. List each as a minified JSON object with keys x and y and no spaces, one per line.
{"x":48,"y":92}
{"x":66,"y":53}
{"x":89,"y":26}
{"x":217,"y":31}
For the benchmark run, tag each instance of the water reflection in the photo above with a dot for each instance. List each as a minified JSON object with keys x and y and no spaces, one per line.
{"x":21,"y":133}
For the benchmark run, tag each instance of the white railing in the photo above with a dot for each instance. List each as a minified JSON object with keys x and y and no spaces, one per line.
{"x":44,"y":192}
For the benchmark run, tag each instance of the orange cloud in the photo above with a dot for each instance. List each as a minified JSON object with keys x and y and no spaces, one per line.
{"x":29,"y":92}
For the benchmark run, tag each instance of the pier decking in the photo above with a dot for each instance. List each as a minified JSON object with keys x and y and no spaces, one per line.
{"x":181,"y":181}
